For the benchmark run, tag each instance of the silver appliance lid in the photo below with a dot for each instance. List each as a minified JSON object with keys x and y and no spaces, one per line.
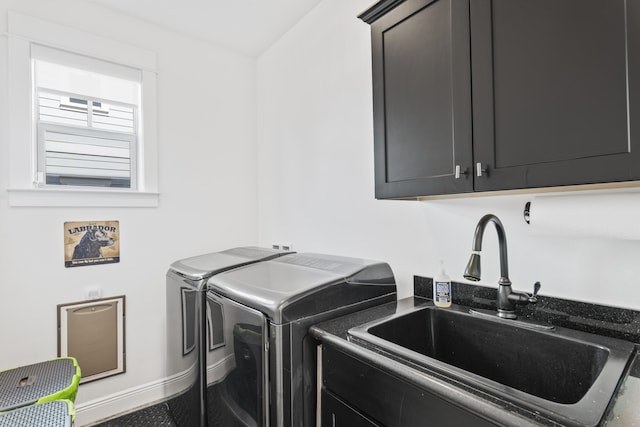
{"x":275,"y":285}
{"x":204,"y":266}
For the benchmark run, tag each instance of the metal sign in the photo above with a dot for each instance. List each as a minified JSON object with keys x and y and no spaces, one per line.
{"x":91,"y":243}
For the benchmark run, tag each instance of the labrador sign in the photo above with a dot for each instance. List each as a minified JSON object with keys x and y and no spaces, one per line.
{"x":91,"y":243}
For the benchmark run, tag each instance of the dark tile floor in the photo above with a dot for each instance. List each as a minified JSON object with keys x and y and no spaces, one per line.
{"x":225,"y":408}
{"x":153,"y":416}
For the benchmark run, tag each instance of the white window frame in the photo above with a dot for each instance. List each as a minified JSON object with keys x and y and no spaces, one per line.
{"x":23,"y":31}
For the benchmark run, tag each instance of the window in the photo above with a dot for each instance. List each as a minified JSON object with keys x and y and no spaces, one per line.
{"x":83,"y":138}
{"x":82,"y":121}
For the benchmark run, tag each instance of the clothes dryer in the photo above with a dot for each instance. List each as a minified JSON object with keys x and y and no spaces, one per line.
{"x":194,"y":329}
{"x":267,"y":309}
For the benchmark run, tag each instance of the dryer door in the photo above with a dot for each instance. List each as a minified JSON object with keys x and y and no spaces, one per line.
{"x":237,"y":364}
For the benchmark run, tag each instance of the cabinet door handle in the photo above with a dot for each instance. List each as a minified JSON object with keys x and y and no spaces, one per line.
{"x":459,"y":172}
{"x":480,"y":171}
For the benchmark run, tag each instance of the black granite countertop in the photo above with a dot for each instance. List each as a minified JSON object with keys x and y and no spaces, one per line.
{"x":624,"y":410}
{"x":597,"y":319}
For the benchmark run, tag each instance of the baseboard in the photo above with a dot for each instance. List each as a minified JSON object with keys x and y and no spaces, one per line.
{"x":117,"y":404}
{"x":97,"y":410}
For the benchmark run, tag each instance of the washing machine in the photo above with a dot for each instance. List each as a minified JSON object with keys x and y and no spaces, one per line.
{"x":266,"y":310}
{"x":195,"y":338}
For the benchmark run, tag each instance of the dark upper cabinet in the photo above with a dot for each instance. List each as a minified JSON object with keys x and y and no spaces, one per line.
{"x":555,"y":98}
{"x":422,"y":99}
{"x":553,"y":102}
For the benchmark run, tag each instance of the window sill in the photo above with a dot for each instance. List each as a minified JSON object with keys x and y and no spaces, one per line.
{"x":53,"y":197}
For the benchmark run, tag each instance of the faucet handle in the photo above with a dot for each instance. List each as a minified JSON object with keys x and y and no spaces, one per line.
{"x":536,"y":288}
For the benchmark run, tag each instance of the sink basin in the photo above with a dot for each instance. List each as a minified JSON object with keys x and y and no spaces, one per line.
{"x":567,"y":376}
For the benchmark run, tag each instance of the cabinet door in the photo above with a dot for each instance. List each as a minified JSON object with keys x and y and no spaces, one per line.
{"x":422,"y":104}
{"x":556,"y":98}
{"x":336,"y":413}
{"x":385,"y":398}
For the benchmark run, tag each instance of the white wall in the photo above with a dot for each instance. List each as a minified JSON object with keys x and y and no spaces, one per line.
{"x":315,"y":145}
{"x":308,"y":182}
{"x":207,"y":163}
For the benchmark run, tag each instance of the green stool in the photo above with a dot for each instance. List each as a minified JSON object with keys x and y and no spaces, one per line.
{"x":56,"y":413}
{"x":38,"y":383}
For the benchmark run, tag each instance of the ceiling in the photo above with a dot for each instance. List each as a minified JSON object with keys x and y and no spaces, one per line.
{"x":245,"y":26}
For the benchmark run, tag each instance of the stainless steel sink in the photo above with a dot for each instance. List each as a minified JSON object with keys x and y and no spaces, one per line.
{"x":566,"y":375}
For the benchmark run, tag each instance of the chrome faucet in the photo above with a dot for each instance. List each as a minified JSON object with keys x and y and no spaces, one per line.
{"x":507,"y":298}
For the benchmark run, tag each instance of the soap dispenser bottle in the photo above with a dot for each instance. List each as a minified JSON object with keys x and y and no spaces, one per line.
{"x":442,"y":288}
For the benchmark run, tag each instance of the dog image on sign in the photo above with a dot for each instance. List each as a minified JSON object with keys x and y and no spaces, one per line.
{"x":91,"y":243}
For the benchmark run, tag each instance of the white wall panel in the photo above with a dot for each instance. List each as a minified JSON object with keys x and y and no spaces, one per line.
{"x":315,"y":139}
{"x":207,"y":172}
